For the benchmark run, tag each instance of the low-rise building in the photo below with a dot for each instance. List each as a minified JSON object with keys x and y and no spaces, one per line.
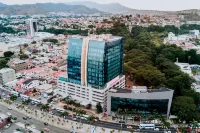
{"x":141,"y":99}
{"x":18,"y":64}
{"x":3,"y":120}
{"x":7,"y":75}
{"x":31,"y":83}
{"x":185,"y":67}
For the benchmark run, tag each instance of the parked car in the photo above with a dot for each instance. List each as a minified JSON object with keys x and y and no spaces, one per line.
{"x":25,"y":117}
{"x":129,"y":127}
{"x":46,"y":129}
{"x":9,"y":114}
{"x":156,"y":129}
{"x":7,"y":126}
{"x":46,"y":124}
{"x":29,"y":117}
{"x":9,"y":108}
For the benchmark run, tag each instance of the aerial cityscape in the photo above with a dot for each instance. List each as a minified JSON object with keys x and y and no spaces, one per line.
{"x":99,"y":66}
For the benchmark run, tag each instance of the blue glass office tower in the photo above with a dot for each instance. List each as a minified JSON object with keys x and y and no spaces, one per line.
{"x":94,"y":61}
{"x":74,"y":60}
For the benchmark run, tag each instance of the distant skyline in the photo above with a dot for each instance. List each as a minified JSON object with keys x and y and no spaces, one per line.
{"x":164,"y":5}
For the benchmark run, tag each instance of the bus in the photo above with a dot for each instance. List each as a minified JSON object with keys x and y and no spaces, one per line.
{"x":147,"y":126}
{"x":15,"y":93}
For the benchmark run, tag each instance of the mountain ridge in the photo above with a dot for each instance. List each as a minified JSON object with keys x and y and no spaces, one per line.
{"x":41,"y":8}
{"x":2,"y":4}
{"x":111,"y":7}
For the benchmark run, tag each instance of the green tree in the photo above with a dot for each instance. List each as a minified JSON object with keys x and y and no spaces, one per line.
{"x":8,"y":54}
{"x":24,"y":56}
{"x":185,"y":109}
{"x":99,"y":108}
{"x":33,"y":42}
{"x":180,"y":82}
{"x":150,"y":76}
{"x":25,"y":45}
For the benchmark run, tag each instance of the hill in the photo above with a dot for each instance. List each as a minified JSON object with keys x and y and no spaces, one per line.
{"x":41,"y":8}
{"x":2,"y":4}
{"x":111,"y":8}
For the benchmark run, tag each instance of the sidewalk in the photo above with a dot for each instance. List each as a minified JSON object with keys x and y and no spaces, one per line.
{"x":61,"y":122}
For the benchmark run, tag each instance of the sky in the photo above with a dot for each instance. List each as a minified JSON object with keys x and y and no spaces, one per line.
{"x":165,"y":5}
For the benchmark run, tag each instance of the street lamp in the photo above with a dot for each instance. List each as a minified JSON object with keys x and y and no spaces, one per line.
{"x":121,"y":127}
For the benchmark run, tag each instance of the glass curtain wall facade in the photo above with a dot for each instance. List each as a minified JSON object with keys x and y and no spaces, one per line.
{"x":74,"y":60}
{"x":143,"y":106}
{"x":105,"y":62}
{"x":114,"y":59}
{"x":95,"y":63}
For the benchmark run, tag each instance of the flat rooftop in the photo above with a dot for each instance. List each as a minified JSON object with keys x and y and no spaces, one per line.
{"x":120,"y":90}
{"x":3,"y":70}
{"x":102,"y":37}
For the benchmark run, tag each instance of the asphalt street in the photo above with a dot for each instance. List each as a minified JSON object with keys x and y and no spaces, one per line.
{"x":39,"y":125}
{"x":116,"y":126}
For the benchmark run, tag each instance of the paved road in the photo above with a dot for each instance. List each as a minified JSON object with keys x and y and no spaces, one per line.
{"x":39,"y":125}
{"x":104,"y":124}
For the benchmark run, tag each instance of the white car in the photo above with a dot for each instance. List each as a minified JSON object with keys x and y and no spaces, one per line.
{"x":51,"y":113}
{"x":9,"y":114}
{"x":156,"y":129}
{"x":7,"y":126}
{"x":9,"y":108}
{"x":29,"y":117}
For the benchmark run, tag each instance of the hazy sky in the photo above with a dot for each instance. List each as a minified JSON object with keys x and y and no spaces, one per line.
{"x":135,"y":4}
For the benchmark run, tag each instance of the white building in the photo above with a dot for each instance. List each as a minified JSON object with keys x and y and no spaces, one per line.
{"x":32,"y":28}
{"x":185,"y":67}
{"x":33,"y":83}
{"x":85,"y":94}
{"x":194,"y":32}
{"x":7,"y":75}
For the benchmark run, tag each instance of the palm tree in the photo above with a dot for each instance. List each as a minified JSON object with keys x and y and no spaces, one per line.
{"x":64,"y":114}
{"x":133,"y":112}
{"x":126,"y":114}
{"x":90,"y":120}
{"x":119,"y":112}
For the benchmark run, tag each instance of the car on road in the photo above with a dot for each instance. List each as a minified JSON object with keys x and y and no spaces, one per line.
{"x":9,"y":108}
{"x":46,"y":124}
{"x":72,"y":131}
{"x":51,"y":113}
{"x":46,"y":129}
{"x":7,"y":126}
{"x":9,"y":114}
{"x":137,"y":130}
{"x":129,"y":127}
{"x":156,"y":129}
{"x":74,"y":118}
{"x":29,"y":117}
{"x":25,"y":117}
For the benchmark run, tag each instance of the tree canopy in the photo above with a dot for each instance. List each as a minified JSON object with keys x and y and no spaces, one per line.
{"x":149,"y":62}
{"x":8,"y":54}
{"x":185,"y":108}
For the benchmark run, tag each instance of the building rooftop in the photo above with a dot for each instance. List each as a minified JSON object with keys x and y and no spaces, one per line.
{"x":3,"y":116}
{"x":3,"y":70}
{"x":102,"y":37}
{"x":138,"y":89}
{"x":30,"y":80}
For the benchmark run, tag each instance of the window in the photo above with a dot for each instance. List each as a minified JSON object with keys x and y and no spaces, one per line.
{"x":142,"y":105}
